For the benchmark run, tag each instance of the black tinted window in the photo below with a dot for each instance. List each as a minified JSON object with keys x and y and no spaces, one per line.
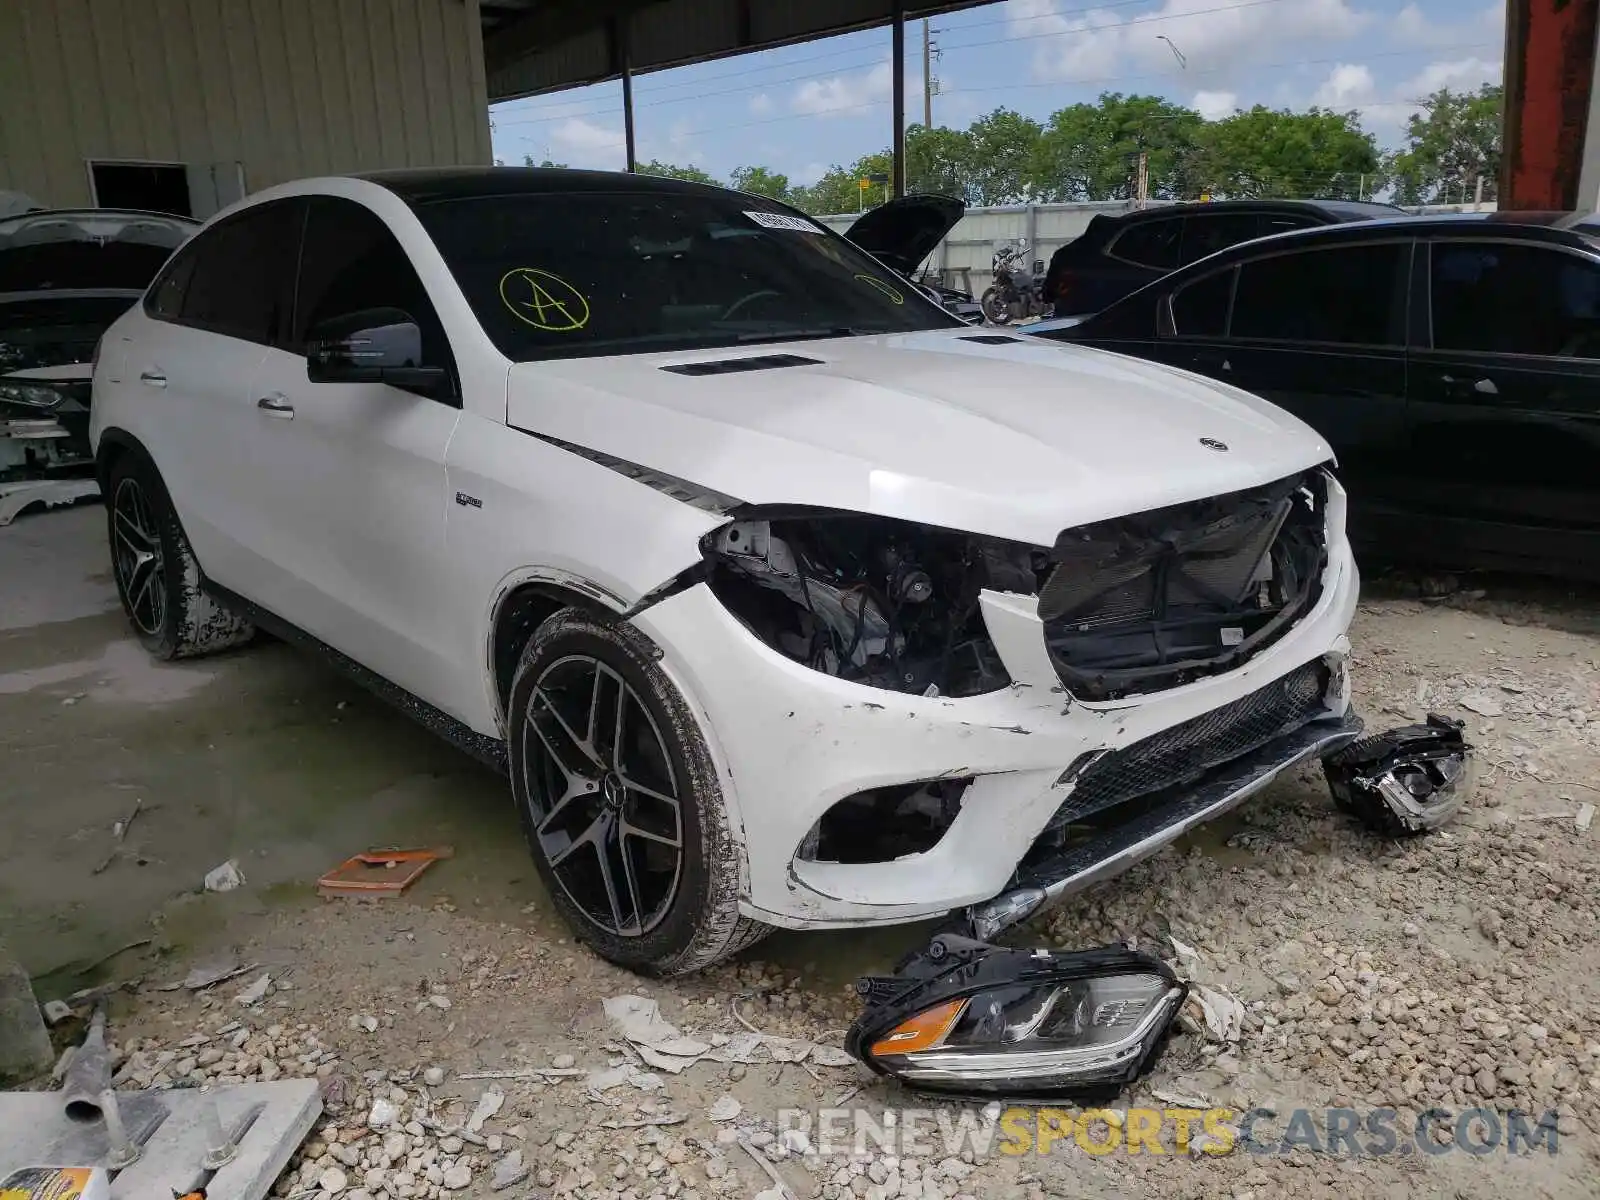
{"x":557,"y":275}
{"x":1505,"y":299}
{"x":1200,"y":309}
{"x":1352,"y":295}
{"x":352,"y":263}
{"x":165,"y":298}
{"x":1209,"y":232}
{"x":1151,"y":243}
{"x":243,"y":273}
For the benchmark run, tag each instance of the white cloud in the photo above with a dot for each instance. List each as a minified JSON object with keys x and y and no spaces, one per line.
{"x":1349,"y":85}
{"x":584,"y":143}
{"x":1385,"y":111}
{"x":1097,"y":43}
{"x":851,"y":94}
{"x":760,"y":104}
{"x":1214,"y":106}
{"x":1413,"y":27}
{"x":841,"y":95}
{"x":1467,"y":74}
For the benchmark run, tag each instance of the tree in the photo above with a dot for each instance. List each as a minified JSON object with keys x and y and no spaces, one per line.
{"x":1091,"y":151}
{"x":527,"y":161}
{"x":840,"y":190}
{"x":999,"y":149}
{"x":759,"y":181}
{"x":1274,"y":152}
{"x":1452,"y":143}
{"x":670,"y":171}
{"x":939,"y":161}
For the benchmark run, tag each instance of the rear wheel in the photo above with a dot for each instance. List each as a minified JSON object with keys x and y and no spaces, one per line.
{"x":620,"y":800}
{"x":158,"y":579}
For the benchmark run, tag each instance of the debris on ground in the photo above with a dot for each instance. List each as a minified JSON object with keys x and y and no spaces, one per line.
{"x":256,"y":992}
{"x":375,"y":874}
{"x":224,"y":878}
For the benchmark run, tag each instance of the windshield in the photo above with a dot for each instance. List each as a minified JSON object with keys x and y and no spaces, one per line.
{"x":562,"y":275}
{"x":55,"y":251}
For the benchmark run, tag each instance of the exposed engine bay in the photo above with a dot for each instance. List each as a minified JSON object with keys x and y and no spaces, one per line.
{"x":1130,"y":606}
{"x":1143,"y":603}
{"x":890,"y":604}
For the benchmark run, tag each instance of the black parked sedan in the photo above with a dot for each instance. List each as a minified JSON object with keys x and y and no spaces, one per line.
{"x":1452,"y":362}
{"x":1119,"y":254}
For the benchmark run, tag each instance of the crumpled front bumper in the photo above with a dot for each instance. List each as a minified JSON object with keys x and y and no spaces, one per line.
{"x":790,"y":742}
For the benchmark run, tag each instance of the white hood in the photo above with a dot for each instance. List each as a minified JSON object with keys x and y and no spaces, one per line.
{"x":1017,"y":440}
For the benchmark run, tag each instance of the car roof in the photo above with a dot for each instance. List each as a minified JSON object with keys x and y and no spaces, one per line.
{"x":1570,"y":230}
{"x":431,"y":185}
{"x":1340,"y":210}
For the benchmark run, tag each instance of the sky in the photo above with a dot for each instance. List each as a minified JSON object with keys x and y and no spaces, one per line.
{"x":799,"y":109}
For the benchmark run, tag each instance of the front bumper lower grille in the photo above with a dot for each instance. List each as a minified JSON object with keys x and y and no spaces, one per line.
{"x":1184,"y":753}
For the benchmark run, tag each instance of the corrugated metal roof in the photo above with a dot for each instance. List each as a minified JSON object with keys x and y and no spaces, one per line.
{"x":537,"y":46}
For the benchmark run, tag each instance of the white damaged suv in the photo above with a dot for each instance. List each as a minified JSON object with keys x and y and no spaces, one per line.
{"x":783,"y":597}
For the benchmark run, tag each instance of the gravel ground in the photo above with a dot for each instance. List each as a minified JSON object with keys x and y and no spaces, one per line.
{"x":1456,"y":971}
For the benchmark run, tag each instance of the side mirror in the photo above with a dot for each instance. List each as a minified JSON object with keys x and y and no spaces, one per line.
{"x":377,"y":345}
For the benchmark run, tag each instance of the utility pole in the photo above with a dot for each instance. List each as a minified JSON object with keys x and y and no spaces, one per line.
{"x":928,"y":83}
{"x":1142,"y":188}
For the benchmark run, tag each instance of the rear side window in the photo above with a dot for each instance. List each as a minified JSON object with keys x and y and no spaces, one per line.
{"x":1495,"y":298}
{"x":164,"y":301}
{"x":243,"y":274}
{"x":1209,"y":232}
{"x":1200,"y":309}
{"x":1347,"y":295}
{"x":1150,"y":243}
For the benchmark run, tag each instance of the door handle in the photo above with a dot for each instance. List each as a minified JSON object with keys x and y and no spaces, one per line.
{"x":153,"y":378}
{"x":1459,"y":387}
{"x":276,"y":405}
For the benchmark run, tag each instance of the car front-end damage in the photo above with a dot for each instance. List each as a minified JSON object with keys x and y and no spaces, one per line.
{"x":915,"y":720}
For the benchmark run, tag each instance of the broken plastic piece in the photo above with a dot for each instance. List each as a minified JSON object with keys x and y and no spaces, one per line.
{"x":379,"y":873}
{"x":1407,"y":781}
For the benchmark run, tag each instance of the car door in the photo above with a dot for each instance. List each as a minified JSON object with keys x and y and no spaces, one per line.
{"x":1322,"y":333}
{"x":358,"y":468}
{"x":1505,"y":405}
{"x":209,"y":320}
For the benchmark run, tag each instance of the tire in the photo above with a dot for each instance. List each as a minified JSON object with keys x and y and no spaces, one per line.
{"x":157,"y":577}
{"x":592,"y":814}
{"x":995,"y":310}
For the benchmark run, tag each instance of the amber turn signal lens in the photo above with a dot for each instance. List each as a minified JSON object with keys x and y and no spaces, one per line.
{"x":922,"y":1031}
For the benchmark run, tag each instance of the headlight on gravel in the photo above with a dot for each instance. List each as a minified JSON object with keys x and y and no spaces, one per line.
{"x":977,"y":1019}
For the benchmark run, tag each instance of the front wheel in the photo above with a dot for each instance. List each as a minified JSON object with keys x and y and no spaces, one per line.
{"x":620,"y":801}
{"x":996,"y":309}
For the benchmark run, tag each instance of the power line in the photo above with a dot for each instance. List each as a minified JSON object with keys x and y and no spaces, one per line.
{"x":877,"y":56}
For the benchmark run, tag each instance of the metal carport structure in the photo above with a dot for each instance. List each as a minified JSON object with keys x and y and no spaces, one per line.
{"x":532,"y":47}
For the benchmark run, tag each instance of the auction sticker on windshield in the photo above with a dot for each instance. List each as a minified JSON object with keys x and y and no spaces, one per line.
{"x":772,"y":220}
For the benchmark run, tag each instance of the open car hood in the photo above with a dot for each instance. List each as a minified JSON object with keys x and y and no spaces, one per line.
{"x":903,"y":232}
{"x":1017,"y":438}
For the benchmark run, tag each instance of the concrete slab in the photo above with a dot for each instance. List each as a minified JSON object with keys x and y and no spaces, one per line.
{"x":175,"y":1125}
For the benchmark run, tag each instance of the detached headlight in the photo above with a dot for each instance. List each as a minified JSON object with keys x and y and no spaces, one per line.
{"x":973,"y":1018}
{"x":30,"y":395}
{"x":1406,"y":781}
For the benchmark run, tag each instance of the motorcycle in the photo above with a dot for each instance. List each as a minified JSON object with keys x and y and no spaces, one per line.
{"x":1015,"y":293}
